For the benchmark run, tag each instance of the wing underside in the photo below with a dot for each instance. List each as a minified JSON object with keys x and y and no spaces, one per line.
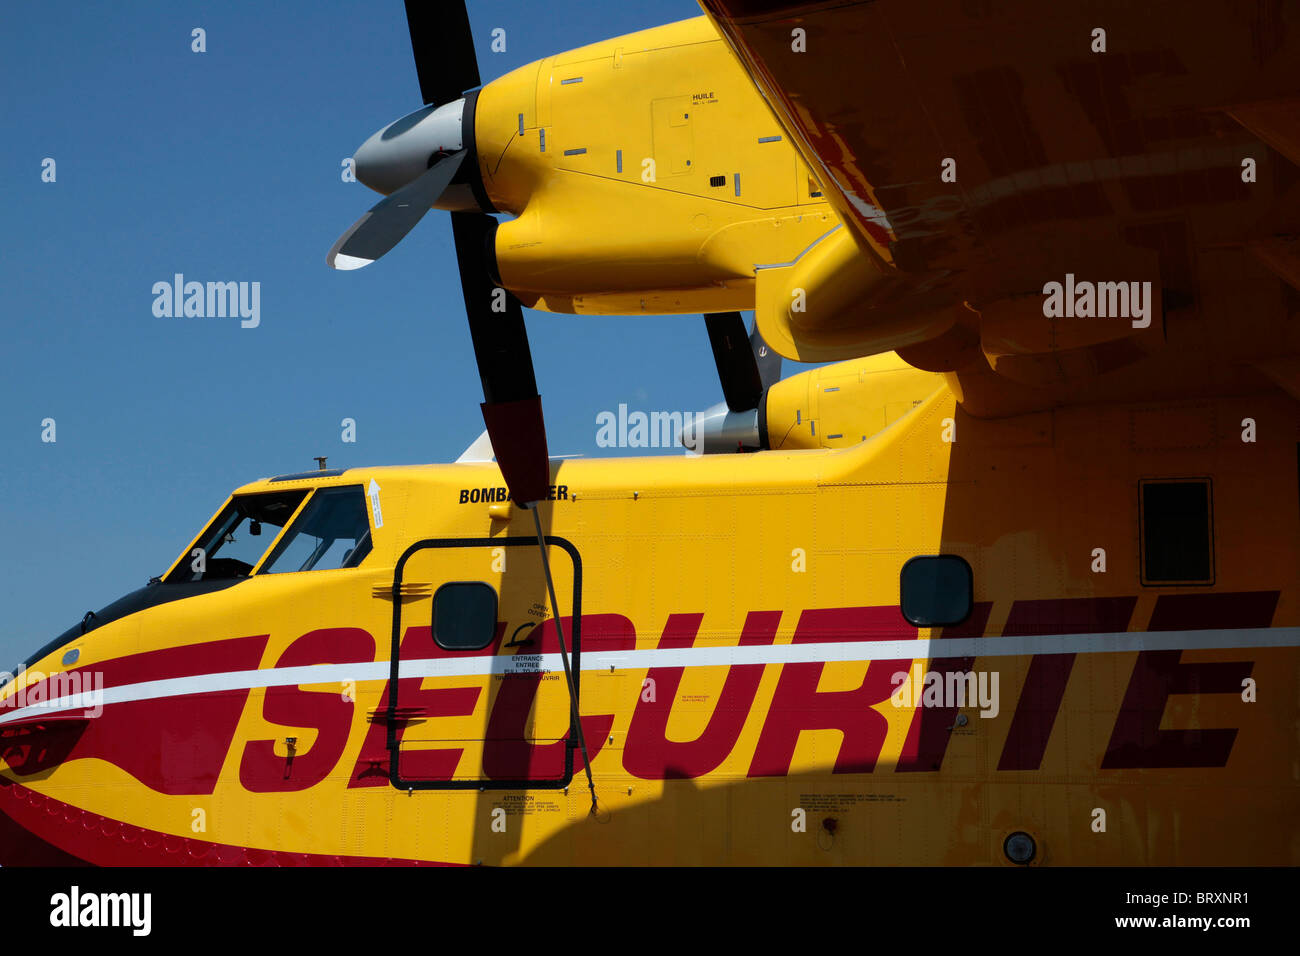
{"x":1141,"y":157}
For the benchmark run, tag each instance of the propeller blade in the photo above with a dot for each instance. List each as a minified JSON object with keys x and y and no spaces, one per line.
{"x":389,"y":220}
{"x":444,"y":49}
{"x":767,"y":358}
{"x":512,"y":409}
{"x":738,"y":369}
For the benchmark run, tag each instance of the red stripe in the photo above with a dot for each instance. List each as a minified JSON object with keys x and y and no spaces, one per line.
{"x":173,"y":744}
{"x":240,"y":653}
{"x":36,"y":830}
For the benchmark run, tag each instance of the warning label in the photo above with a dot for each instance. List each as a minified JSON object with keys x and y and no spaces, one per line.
{"x":525,"y":804}
{"x":839,"y":802}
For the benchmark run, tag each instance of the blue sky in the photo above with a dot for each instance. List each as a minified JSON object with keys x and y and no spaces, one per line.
{"x":225,"y":166}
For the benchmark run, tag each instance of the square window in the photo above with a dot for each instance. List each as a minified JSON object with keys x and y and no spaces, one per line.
{"x":464,"y":616}
{"x":1177,"y":532}
{"x":936,"y":591}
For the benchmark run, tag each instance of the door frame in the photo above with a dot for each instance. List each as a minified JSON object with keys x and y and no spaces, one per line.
{"x":575,"y":645}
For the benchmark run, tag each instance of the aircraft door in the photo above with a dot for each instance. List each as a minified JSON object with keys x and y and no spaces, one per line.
{"x":477,"y":693}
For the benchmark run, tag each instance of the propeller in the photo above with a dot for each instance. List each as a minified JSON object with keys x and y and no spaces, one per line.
{"x":444,"y":49}
{"x":389,"y":220}
{"x":418,"y":162}
{"x":414,"y":159}
{"x":746,"y":366}
{"x":426,"y":160}
{"x":512,"y":407}
{"x":746,"y":369}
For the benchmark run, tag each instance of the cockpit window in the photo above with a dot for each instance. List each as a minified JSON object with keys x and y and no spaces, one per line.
{"x":332,"y":532}
{"x":232,"y":545}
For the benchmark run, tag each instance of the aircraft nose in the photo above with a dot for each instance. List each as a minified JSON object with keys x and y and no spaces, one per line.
{"x":401,"y":151}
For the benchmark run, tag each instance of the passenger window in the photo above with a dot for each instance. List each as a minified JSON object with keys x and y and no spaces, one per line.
{"x":464,"y":616}
{"x":332,"y":532}
{"x":1177,"y":532}
{"x":936,"y":591}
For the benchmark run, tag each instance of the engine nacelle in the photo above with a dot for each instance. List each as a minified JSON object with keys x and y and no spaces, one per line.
{"x":839,"y":405}
{"x":834,"y":406}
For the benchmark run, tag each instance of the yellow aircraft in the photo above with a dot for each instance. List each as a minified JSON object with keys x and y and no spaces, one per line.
{"x":1014,"y":582}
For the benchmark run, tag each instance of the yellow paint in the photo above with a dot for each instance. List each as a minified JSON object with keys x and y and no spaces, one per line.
{"x":1024,"y":501}
{"x":672,"y":106}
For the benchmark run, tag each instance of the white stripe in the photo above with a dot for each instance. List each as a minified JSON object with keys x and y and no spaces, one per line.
{"x":1115,"y":643}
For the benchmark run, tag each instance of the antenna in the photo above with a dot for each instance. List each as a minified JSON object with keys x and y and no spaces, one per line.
{"x":320,"y":460}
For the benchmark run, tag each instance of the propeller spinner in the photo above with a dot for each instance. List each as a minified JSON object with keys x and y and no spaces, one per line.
{"x":415,"y":160}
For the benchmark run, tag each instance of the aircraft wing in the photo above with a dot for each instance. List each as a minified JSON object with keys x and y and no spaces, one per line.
{"x":1141,"y":156}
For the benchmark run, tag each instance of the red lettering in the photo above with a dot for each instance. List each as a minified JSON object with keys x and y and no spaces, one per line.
{"x":510,"y":752}
{"x":327,"y":712}
{"x":648,"y":752}
{"x":1048,"y":675}
{"x":1137,"y":740}
{"x":418,"y":703}
{"x":797,"y":704}
{"x":931,"y":729}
